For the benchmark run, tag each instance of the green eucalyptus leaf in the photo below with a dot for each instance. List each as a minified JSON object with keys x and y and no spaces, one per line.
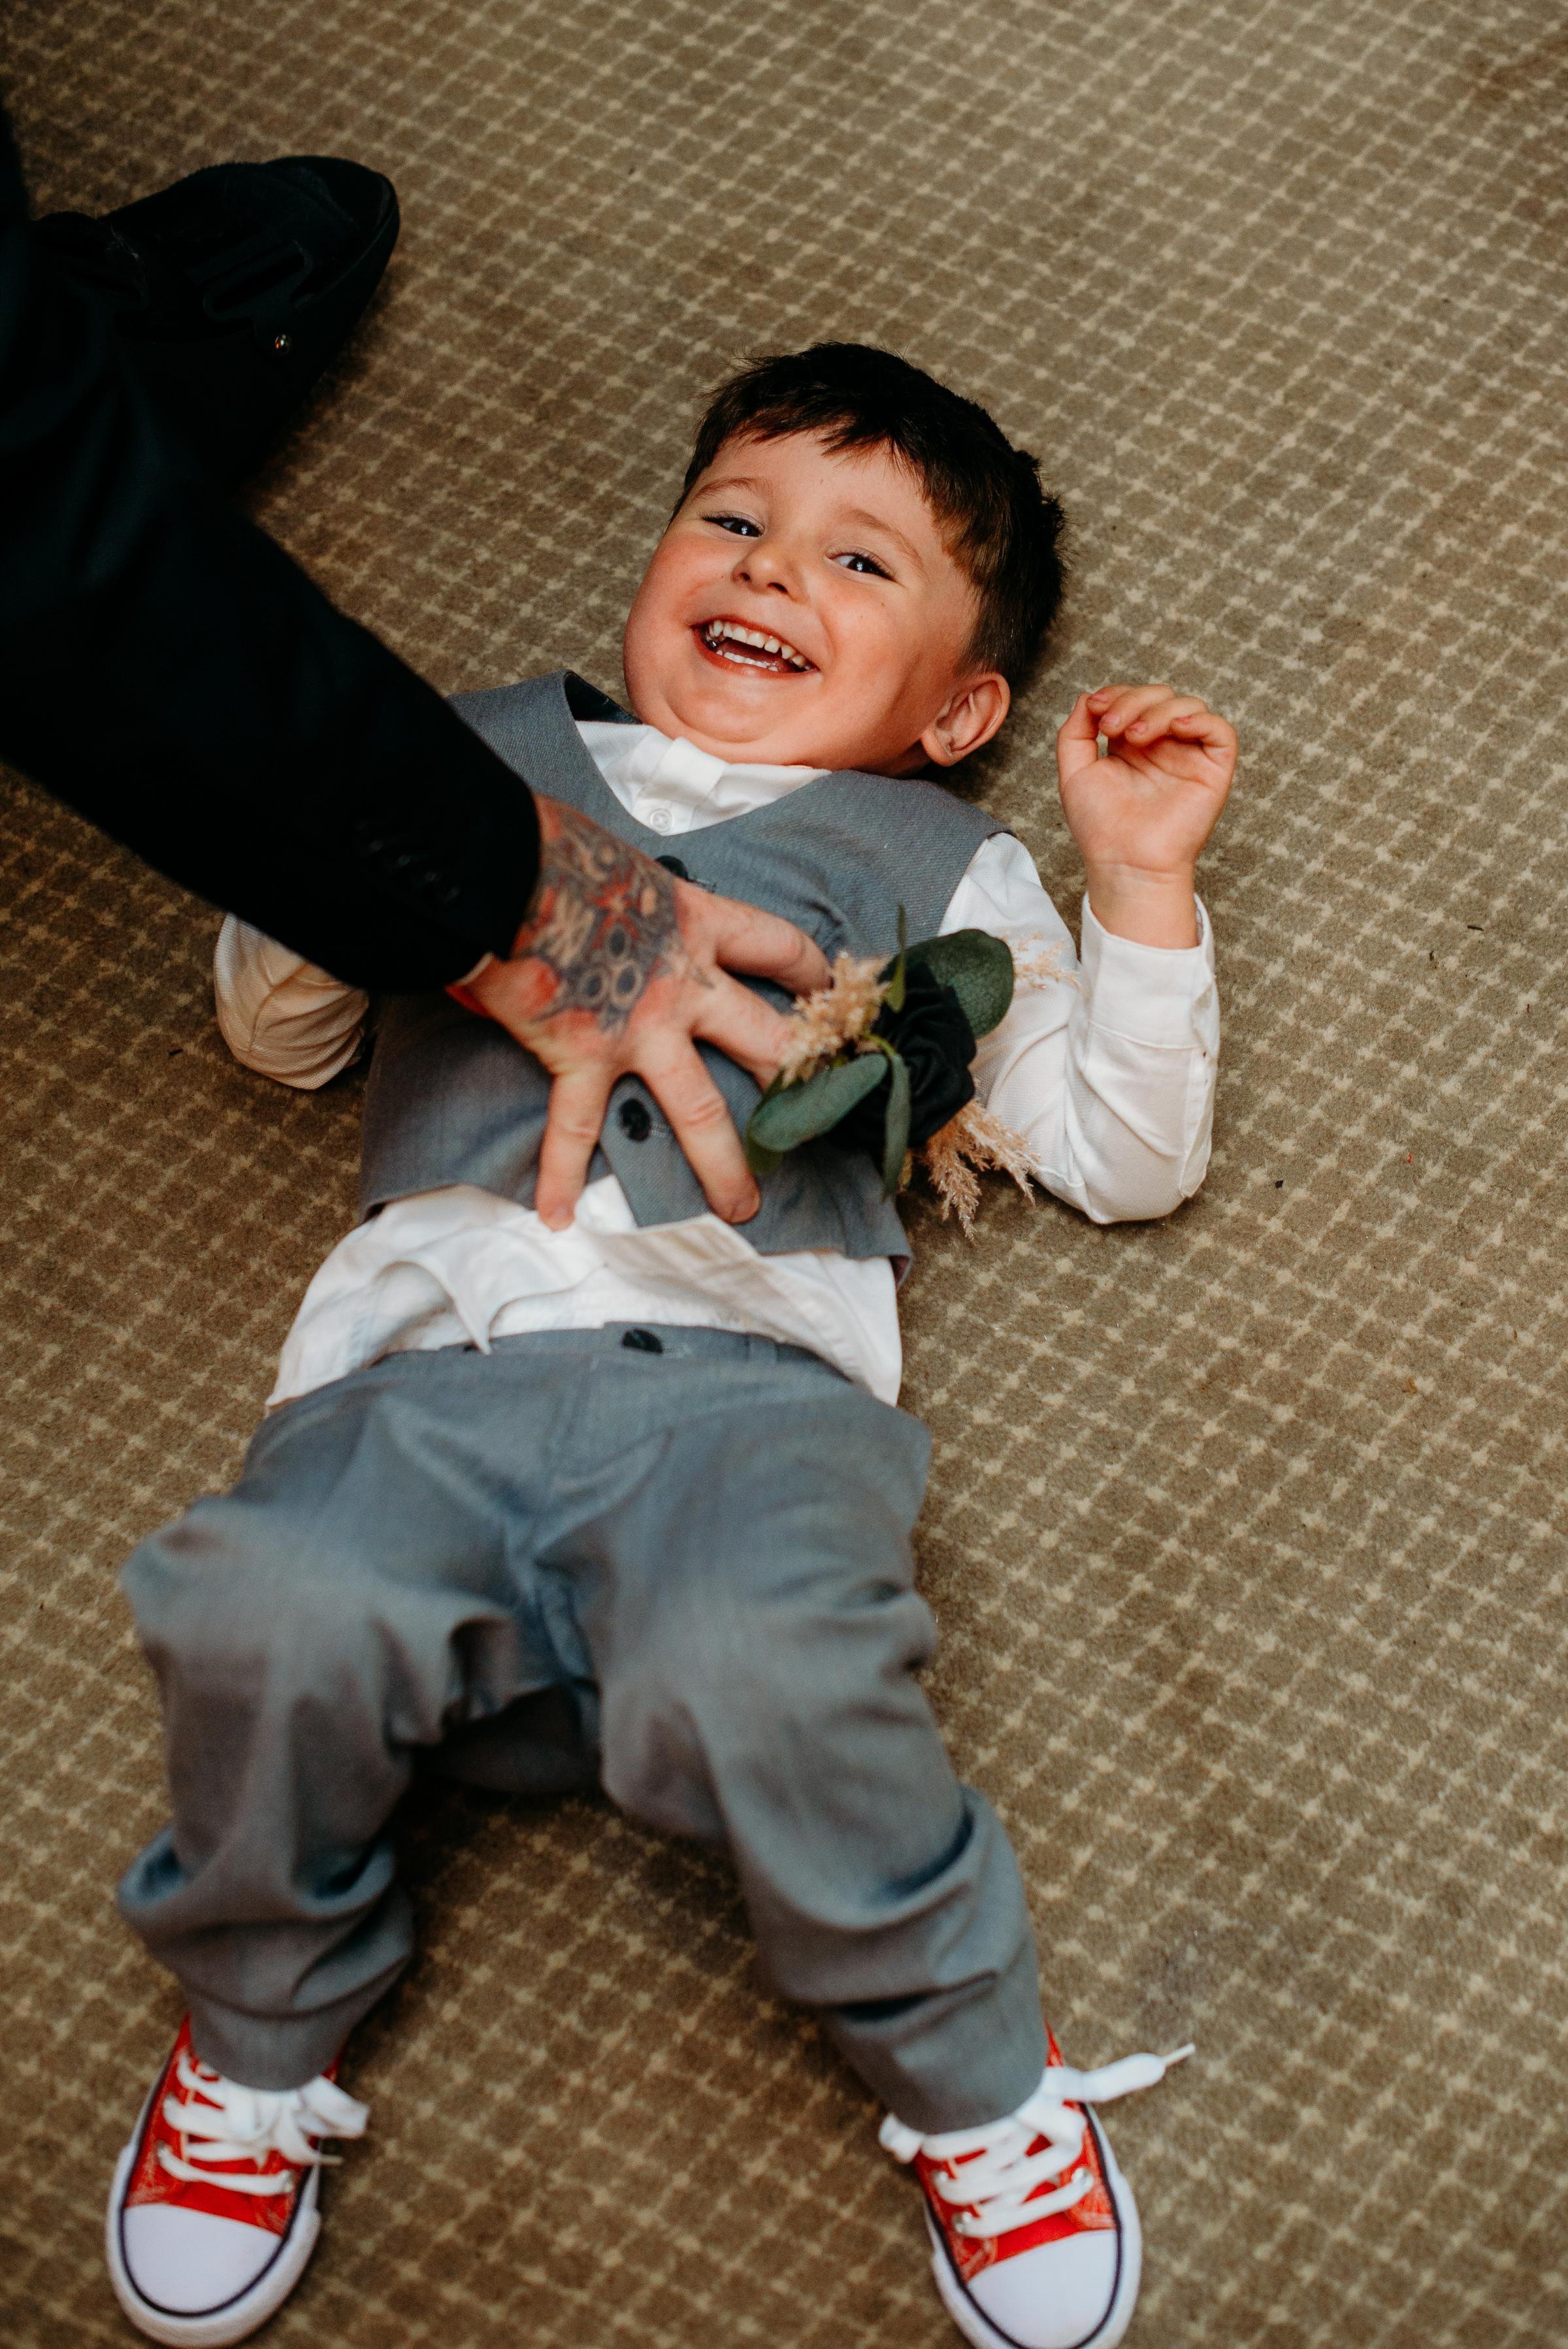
{"x":761,"y":1161}
{"x":977,"y":967}
{"x":895,"y":1134}
{"x":782,"y":1120}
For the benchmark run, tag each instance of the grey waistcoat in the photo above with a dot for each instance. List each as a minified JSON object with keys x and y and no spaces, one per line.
{"x":451,"y":1099}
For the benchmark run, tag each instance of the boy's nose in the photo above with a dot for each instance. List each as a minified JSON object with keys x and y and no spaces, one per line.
{"x":764,"y":565}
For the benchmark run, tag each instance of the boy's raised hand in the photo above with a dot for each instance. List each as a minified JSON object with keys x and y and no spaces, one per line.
{"x":618,"y":970}
{"x":1142,"y":813}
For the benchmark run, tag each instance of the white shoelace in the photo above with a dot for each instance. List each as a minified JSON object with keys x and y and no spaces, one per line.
{"x":998,"y":2177}
{"x":236,"y":2124}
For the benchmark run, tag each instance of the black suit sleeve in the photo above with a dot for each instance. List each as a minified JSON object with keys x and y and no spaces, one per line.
{"x":168,"y":670}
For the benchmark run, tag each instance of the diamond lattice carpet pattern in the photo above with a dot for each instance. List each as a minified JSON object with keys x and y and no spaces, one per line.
{"x":1246,"y":1532}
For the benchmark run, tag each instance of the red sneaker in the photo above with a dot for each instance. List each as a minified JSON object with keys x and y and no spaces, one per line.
{"x":1033,"y":2229}
{"x":213,"y":2212}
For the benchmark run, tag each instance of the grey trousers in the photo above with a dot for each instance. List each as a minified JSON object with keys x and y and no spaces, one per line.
{"x":685,"y":1573}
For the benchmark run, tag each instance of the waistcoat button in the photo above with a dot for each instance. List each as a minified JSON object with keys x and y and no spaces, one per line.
{"x":643,"y":1341}
{"x":635,"y":1122}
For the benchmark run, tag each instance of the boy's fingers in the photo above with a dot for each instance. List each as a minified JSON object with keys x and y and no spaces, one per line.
{"x":742,"y":938}
{"x":1140,"y":714}
{"x":577,"y":1104}
{"x":1161,"y":717}
{"x":700,"y":1121}
{"x":1128,"y":702}
{"x":1079,"y":729}
{"x":1205,"y":725}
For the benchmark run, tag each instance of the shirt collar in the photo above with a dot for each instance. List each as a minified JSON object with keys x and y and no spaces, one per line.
{"x":640,"y":765}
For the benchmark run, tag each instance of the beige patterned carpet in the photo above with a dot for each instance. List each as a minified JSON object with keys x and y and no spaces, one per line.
{"x":1246,"y":1531}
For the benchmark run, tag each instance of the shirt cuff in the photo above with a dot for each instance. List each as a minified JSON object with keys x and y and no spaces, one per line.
{"x":1147,"y":993}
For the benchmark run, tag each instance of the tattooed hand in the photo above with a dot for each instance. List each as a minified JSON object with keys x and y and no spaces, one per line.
{"x":601,"y":921}
{"x":619,"y":968}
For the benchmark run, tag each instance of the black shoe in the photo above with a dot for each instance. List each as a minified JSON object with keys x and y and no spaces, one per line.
{"x":232,"y":289}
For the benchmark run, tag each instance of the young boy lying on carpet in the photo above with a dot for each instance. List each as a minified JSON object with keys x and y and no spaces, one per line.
{"x":629,"y":1502}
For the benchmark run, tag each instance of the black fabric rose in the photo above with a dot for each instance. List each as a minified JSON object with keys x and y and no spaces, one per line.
{"x":932,"y":1036}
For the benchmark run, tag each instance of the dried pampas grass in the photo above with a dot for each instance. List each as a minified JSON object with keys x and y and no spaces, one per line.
{"x":1043,"y":967}
{"x":833,"y":1021}
{"x":970,"y":1144}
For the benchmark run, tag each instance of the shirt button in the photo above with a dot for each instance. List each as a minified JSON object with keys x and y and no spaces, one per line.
{"x":635,"y":1122}
{"x":659,"y":819}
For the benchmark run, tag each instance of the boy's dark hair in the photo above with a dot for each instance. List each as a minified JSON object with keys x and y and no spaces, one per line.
{"x":1002,"y":526}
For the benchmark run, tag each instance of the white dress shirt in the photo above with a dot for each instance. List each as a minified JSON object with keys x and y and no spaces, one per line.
{"x":1106,"y":1069}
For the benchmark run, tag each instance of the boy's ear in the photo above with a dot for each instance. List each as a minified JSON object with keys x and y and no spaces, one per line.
{"x":969,"y":719}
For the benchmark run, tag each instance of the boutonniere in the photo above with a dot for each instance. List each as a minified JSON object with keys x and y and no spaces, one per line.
{"x":880,"y":1063}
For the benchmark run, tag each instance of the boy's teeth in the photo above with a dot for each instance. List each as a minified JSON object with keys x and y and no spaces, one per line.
{"x":717,"y":632}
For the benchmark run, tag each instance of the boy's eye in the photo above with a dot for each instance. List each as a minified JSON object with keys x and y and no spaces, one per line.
{"x":865,"y":564}
{"x":741,"y":524}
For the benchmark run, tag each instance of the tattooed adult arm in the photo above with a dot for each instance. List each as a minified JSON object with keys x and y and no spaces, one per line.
{"x":618,"y":969}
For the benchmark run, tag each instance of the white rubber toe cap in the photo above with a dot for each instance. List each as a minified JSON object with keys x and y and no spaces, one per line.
{"x":1052,"y":2297}
{"x":189,"y":2261}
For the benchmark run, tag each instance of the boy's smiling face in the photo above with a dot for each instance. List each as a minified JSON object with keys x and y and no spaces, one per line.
{"x":803,"y":609}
